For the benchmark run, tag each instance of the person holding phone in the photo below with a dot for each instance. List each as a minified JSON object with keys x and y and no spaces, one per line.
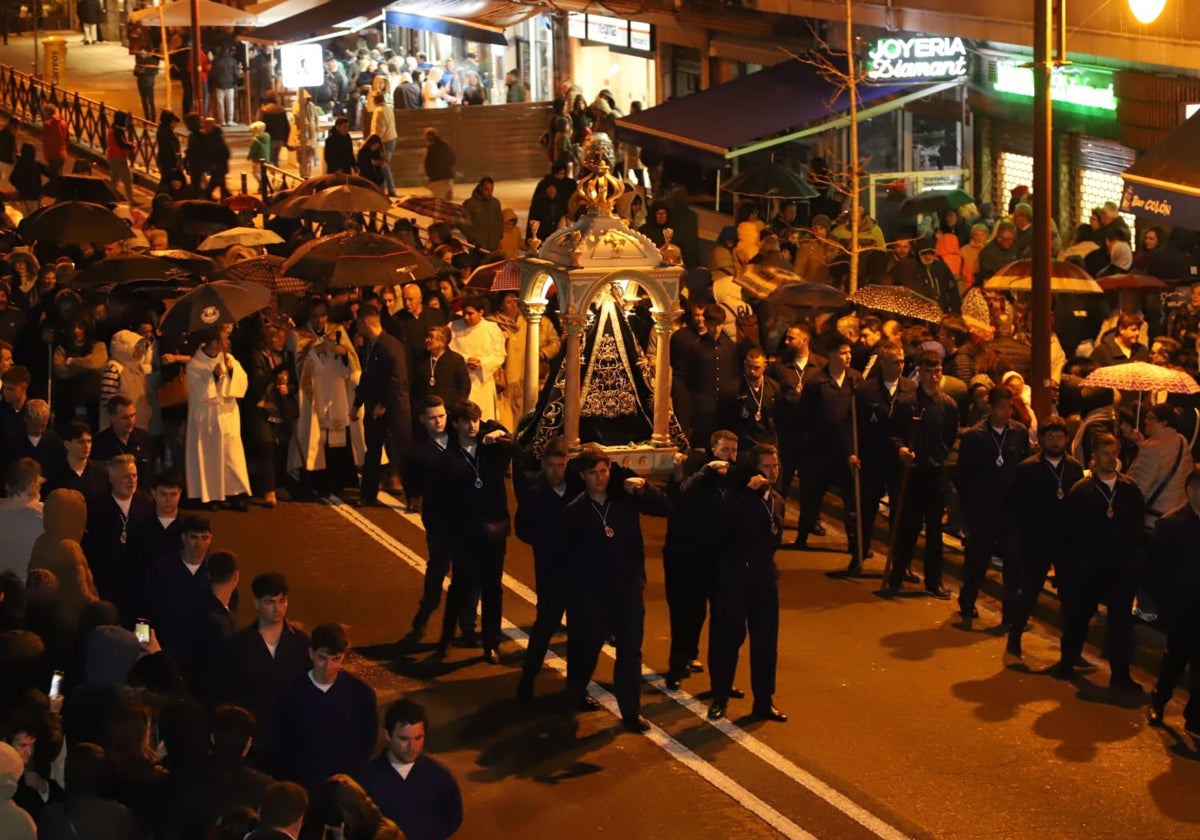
{"x":746,"y":598}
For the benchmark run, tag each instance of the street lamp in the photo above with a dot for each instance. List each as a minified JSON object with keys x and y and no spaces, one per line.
{"x":1044,"y":60}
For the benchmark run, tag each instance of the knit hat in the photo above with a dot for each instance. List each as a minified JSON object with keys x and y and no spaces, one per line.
{"x":821,"y":220}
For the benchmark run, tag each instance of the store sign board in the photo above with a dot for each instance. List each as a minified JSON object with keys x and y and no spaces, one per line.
{"x":611,"y":31}
{"x":921,"y":58}
{"x":1086,"y":87}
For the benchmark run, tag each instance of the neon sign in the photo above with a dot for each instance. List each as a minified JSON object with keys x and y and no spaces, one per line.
{"x":916,"y":58}
{"x":1087,"y":87}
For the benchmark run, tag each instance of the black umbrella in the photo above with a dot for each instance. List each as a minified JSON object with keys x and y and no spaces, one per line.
{"x":213,"y":304}
{"x":936,"y":201}
{"x":356,"y":259}
{"x":197,"y":216}
{"x":333,"y":179}
{"x":124,"y":269}
{"x":772,"y":180}
{"x":186,"y":261}
{"x":81,"y":188}
{"x":73,"y":223}
{"x":807,"y":296}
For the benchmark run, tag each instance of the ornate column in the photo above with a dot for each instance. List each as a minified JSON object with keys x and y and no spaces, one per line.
{"x":533,"y":342}
{"x":574,"y":324}
{"x":662,"y":377}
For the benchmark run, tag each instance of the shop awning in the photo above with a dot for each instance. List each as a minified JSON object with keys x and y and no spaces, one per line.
{"x":331,"y":18}
{"x":786,"y":102}
{"x":472,"y":20}
{"x":273,"y":11}
{"x":1164,"y":184}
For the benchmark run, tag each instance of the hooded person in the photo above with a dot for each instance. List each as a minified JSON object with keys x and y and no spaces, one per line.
{"x":58,"y":551}
{"x":747,"y":246}
{"x":124,"y":373}
{"x":15,"y":822}
{"x":511,"y":240}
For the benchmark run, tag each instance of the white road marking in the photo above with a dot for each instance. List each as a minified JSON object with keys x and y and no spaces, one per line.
{"x":656,"y":735}
{"x":781,"y":763}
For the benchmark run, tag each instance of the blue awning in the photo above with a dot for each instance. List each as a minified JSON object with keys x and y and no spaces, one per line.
{"x":1164,"y":184}
{"x":781,"y":103}
{"x":446,"y":26}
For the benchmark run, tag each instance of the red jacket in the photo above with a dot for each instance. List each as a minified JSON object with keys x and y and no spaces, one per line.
{"x":55,"y":134}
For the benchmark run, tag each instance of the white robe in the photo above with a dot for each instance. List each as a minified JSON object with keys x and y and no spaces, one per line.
{"x":309,"y":438}
{"x":324,"y":409}
{"x":216,"y":460}
{"x":484,"y":341}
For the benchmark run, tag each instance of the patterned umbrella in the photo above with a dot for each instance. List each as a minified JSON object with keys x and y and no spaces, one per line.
{"x":73,"y":223}
{"x":437,"y":209}
{"x":251,"y":236}
{"x":898,"y":300}
{"x":1142,"y":282}
{"x":213,"y":304}
{"x":264,"y":271}
{"x":1065,"y":278}
{"x":356,"y":259}
{"x":504,"y":276}
{"x":1142,"y":376}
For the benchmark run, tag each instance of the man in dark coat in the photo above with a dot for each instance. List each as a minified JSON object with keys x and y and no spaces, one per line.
{"x":989,"y":457}
{"x":755,"y":415}
{"x":327,"y":719}
{"x":470,"y":492}
{"x":339,"y":148}
{"x":35,"y":440}
{"x":112,"y":515}
{"x":683,"y":347}
{"x":177,"y":583}
{"x":539,"y":523}
{"x":382,"y":395}
{"x":923,"y":433}
{"x":826,"y":404}
{"x":879,"y":470}
{"x":608,"y":578}
{"x":411,"y":324}
{"x":206,"y":636}
{"x":124,"y":437}
{"x":746,"y":597}
{"x":1037,"y":510}
{"x":156,"y":536}
{"x":416,"y":792}
{"x":282,"y":813}
{"x":713,"y":377}
{"x":1175,"y":582}
{"x":275,"y":117}
{"x":265,"y":658}
{"x":1105,"y":517}
{"x":440,"y":371}
{"x":795,"y":366}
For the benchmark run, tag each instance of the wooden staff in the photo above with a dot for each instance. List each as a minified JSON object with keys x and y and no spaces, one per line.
{"x":856,"y":475}
{"x":897,"y":506}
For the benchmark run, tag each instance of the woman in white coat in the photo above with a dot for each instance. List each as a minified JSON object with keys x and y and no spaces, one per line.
{"x":216,"y":460}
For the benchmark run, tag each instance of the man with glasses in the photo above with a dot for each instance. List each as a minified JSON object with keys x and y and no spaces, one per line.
{"x":924,"y":431}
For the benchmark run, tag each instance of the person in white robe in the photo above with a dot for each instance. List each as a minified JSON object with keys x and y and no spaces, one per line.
{"x":481,"y":343}
{"x":215,"y":458}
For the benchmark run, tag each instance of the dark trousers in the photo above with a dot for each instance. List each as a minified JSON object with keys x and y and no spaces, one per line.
{"x":922,"y":506}
{"x":791,"y":454}
{"x":593,"y":620}
{"x":988,"y":536}
{"x":440,"y":551}
{"x":1033,"y":569}
{"x":817,"y":478}
{"x":738,"y":609}
{"x":1081,"y":595}
{"x":689,"y":586}
{"x":877,"y":479}
{"x":1182,"y":651}
{"x":378,"y":432}
{"x":145,"y":86}
{"x":477,"y":566}
{"x":551,"y":607}
{"x":267,"y":451}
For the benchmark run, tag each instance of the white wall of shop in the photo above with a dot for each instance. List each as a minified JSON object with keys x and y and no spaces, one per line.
{"x":628,"y":78}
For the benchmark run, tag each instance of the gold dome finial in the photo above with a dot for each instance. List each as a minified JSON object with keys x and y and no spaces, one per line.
{"x":600,"y":189}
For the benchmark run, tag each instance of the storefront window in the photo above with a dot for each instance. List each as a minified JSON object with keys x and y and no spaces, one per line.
{"x":1096,"y":188}
{"x":1013,"y":171}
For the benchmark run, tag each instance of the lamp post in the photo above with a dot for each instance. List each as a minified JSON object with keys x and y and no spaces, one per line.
{"x":1044,"y":59}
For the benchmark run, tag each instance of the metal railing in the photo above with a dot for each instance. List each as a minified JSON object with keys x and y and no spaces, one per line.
{"x":23,"y":96}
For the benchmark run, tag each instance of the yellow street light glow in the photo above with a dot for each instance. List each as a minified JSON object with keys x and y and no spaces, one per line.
{"x":1146,"y":11}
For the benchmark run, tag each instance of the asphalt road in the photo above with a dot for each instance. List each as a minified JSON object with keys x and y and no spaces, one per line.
{"x":903,"y":724}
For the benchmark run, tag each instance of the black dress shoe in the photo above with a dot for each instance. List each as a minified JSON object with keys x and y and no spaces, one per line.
{"x":589,"y":704}
{"x":890,"y":590}
{"x":491,"y":657}
{"x":717,"y":710}
{"x":241,"y":504}
{"x":912,"y":577}
{"x":969,"y":612}
{"x":637,"y":724}
{"x":1013,"y":649}
{"x":737,"y":694}
{"x":939,"y":592}
{"x":525,"y":688}
{"x":1125,"y":683}
{"x":854,"y":569}
{"x":696,"y":666}
{"x":818,"y":530}
{"x":467,"y":641}
{"x":440,"y":651}
{"x":769,"y":712}
{"x":1063,"y":671}
{"x":673,"y":681}
{"x":1154,"y":714}
{"x":796,"y":545}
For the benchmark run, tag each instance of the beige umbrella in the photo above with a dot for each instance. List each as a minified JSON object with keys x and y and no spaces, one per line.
{"x":250,"y":236}
{"x":1065,"y":278}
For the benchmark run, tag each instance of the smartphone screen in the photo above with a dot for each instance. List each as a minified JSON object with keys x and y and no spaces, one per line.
{"x":142,"y":629}
{"x":56,"y":684}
